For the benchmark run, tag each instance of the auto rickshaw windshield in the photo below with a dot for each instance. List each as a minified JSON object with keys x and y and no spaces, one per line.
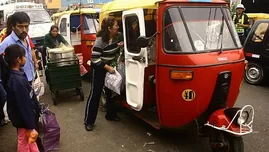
{"x":210,"y":29}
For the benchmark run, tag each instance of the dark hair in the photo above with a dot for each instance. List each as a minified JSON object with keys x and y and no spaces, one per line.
{"x":19,"y":17}
{"x":9,"y":26}
{"x":53,"y":27}
{"x":13,"y":52}
{"x":104,"y":32}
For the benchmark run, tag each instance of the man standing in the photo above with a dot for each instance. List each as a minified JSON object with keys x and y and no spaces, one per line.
{"x":241,"y":22}
{"x":20,"y":26}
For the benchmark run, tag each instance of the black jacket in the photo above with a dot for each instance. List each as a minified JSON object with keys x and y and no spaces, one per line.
{"x":23,"y":107}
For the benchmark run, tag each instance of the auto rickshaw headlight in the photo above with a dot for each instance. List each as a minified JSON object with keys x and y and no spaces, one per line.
{"x":181,"y":75}
{"x":243,"y":119}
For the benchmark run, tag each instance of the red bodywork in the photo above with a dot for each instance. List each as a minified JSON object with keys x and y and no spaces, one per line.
{"x":87,"y":41}
{"x":219,"y":119}
{"x":173,"y":111}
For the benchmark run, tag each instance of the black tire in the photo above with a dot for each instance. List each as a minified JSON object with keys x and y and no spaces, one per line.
{"x":81,"y":94}
{"x":233,"y":144}
{"x":254,"y":74}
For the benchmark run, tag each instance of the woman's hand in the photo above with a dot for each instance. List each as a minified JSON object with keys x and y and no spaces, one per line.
{"x":120,"y":43}
{"x":111,"y":70}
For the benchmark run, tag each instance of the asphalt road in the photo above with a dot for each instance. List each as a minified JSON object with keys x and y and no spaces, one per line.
{"x":131,"y":133}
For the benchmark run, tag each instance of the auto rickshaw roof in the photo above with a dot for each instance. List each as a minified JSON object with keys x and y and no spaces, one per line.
{"x":119,"y":5}
{"x":258,"y":15}
{"x":56,"y":14}
{"x":81,"y":11}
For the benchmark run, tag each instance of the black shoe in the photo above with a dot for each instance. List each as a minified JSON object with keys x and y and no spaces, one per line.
{"x":2,"y":123}
{"x":89,"y":127}
{"x":116,"y":118}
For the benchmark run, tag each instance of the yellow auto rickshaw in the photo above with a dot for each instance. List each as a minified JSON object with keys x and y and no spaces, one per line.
{"x":55,"y":16}
{"x":79,"y":28}
{"x":253,"y":17}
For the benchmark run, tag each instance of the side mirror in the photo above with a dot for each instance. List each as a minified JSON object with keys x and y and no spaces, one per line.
{"x":142,"y":41}
{"x":73,"y":29}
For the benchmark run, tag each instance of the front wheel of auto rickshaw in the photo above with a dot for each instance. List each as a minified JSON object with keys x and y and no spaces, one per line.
{"x":229,"y":143}
{"x":254,"y":74}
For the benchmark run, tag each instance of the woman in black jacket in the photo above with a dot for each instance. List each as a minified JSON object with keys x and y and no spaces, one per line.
{"x":103,"y":59}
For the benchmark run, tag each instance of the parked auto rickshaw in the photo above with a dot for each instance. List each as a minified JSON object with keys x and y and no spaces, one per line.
{"x":196,"y":74}
{"x":79,"y":28}
{"x":253,"y":17}
{"x":55,"y":16}
{"x":256,"y":49}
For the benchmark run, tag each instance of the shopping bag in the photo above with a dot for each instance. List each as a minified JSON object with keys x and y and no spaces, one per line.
{"x":38,"y":86}
{"x":51,"y":129}
{"x":121,"y":70}
{"x":113,"y":81}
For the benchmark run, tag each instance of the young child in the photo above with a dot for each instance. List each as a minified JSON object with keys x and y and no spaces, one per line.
{"x":22,"y":105}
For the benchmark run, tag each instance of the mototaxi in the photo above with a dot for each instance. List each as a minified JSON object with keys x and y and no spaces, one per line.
{"x":79,"y":28}
{"x":256,"y":48}
{"x":253,"y":17}
{"x":184,"y":63}
{"x":54,"y":17}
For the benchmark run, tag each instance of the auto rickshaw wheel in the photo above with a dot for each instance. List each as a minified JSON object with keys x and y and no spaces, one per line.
{"x":254,"y":74}
{"x":229,"y":143}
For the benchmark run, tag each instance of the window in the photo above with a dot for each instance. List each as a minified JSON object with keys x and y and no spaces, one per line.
{"x":90,"y":23}
{"x":63,"y":27}
{"x":205,"y":31}
{"x":260,"y":32}
{"x":132,"y":33}
{"x":38,"y":16}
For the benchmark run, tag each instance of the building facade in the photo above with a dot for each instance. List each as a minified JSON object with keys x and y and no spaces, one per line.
{"x":53,"y":4}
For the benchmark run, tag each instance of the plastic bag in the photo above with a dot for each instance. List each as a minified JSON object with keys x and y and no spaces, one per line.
{"x":6,"y":114}
{"x":121,"y":69}
{"x":38,"y":86}
{"x":83,"y":70}
{"x":51,"y":129}
{"x":113,"y":81}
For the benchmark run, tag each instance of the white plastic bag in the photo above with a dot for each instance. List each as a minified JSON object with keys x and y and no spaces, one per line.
{"x":113,"y":81}
{"x":38,"y":87}
{"x":121,"y":69}
{"x":6,"y":114}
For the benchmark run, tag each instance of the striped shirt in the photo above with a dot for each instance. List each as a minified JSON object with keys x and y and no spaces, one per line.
{"x":105,"y":53}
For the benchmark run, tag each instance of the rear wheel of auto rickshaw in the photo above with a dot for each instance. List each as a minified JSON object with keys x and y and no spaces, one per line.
{"x":81,"y":94}
{"x":228,"y":143}
{"x":254,"y":74}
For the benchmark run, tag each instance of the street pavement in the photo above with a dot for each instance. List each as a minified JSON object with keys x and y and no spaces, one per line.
{"x":131,"y":134}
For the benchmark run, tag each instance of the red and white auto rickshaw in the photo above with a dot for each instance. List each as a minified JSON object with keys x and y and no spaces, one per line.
{"x":184,"y":63}
{"x":79,"y":28}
